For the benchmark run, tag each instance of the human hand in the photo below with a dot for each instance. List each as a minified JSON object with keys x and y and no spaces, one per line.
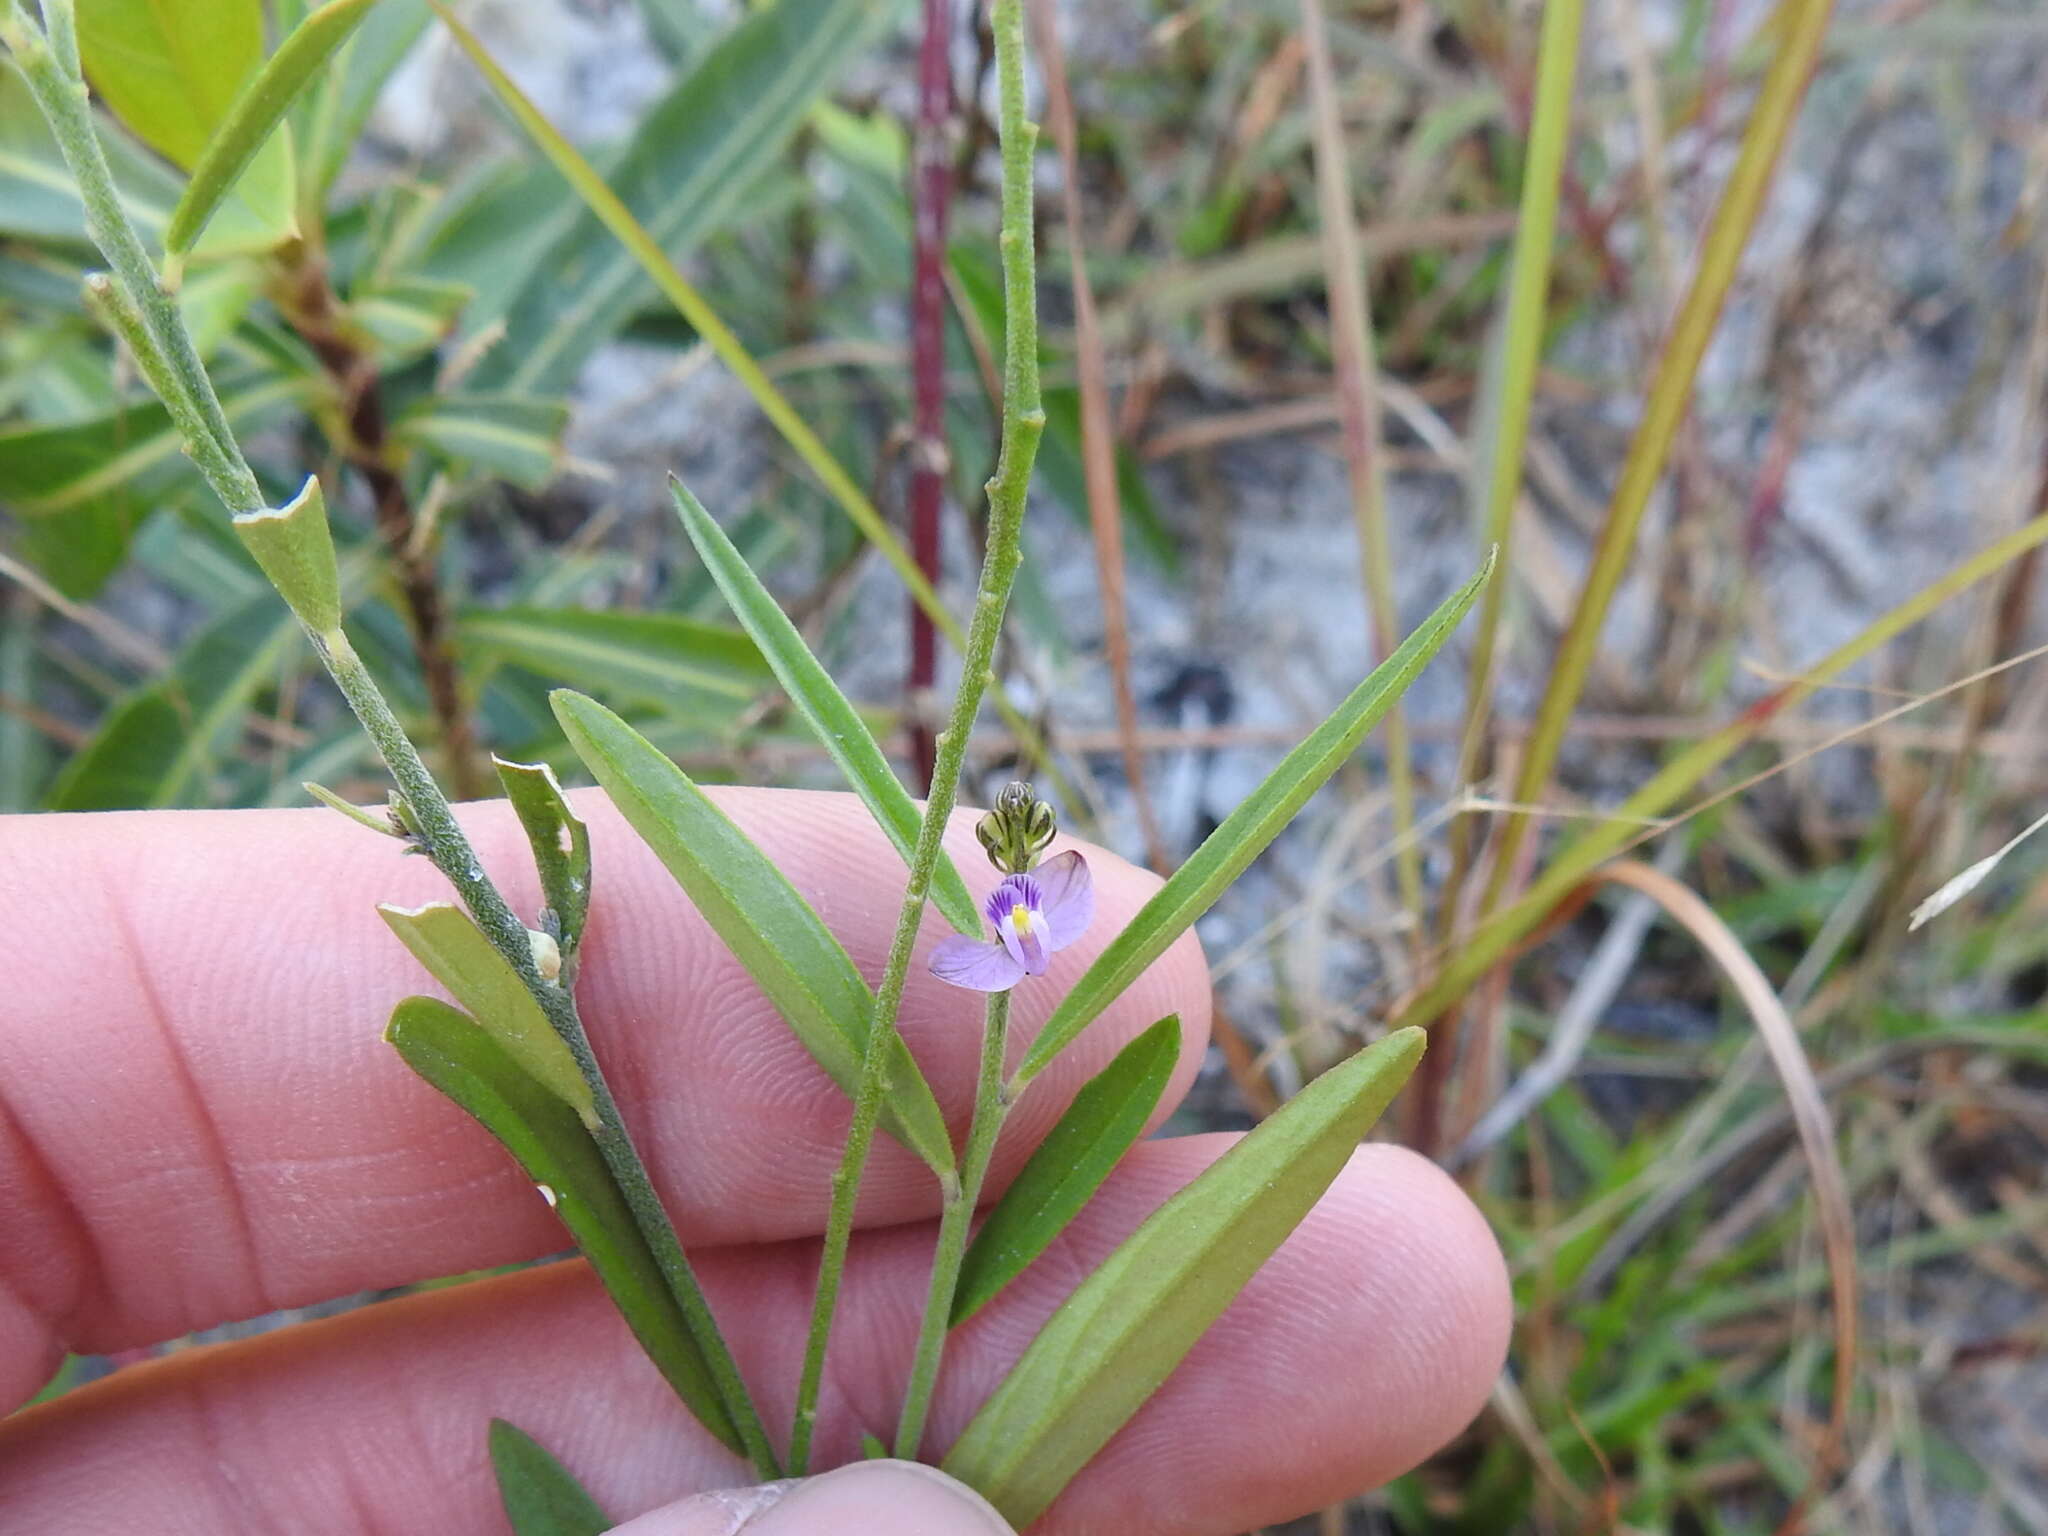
{"x":200,"y":1122}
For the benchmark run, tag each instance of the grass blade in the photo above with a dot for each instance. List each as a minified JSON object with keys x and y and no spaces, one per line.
{"x":451,"y":1051}
{"x":1224,"y":855}
{"x":542,"y":1497}
{"x":456,"y":953}
{"x":836,"y":723}
{"x":771,"y":930}
{"x":1125,"y":1327}
{"x":253,"y":116}
{"x":1098,"y":1128}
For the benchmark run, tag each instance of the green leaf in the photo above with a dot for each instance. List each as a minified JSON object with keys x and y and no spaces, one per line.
{"x":832,"y":719}
{"x":39,"y":199}
{"x":686,"y":175}
{"x":515,"y":437}
{"x":454,"y":950}
{"x":1106,"y":1117}
{"x":770,"y":929}
{"x":1226,"y":852}
{"x":448,"y":1049}
{"x":1125,"y":1327}
{"x":542,"y":1497}
{"x":349,"y":92}
{"x":561,"y":852}
{"x":648,"y":658}
{"x":255,"y":114}
{"x":411,"y":315}
{"x":171,"y":71}
{"x":296,"y":551}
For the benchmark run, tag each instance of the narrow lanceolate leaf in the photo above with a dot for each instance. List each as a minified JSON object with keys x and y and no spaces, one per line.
{"x":825,"y":709}
{"x":515,"y":437}
{"x":1069,"y":1166}
{"x":768,"y":926}
{"x":1224,"y":855}
{"x":451,"y":947}
{"x":685,"y":176}
{"x":1125,"y":1327}
{"x":542,"y":1497}
{"x":255,"y":114}
{"x":561,"y":852}
{"x":408,"y":316}
{"x":449,"y":1050}
{"x":171,"y":71}
{"x":643,"y":658}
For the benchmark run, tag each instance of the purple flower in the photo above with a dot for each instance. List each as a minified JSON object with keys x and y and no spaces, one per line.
{"x":1034,"y":915}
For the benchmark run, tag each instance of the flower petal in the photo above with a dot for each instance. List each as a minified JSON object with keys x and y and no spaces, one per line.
{"x":1066,"y":893}
{"x":977,"y":966}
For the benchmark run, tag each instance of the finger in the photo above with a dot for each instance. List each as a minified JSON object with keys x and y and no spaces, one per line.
{"x":1371,"y":1336}
{"x":200,"y":1121}
{"x":868,"y":1498}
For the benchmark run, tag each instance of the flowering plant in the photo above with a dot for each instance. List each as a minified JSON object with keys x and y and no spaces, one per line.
{"x":514,"y":1051}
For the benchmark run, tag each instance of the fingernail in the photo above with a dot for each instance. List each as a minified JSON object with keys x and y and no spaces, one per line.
{"x":881,"y":1498}
{"x":868,"y":1498}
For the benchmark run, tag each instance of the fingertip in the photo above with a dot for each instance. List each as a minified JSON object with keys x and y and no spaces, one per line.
{"x":868,"y":1498}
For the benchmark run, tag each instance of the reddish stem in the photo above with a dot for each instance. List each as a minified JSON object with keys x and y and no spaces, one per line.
{"x":931,"y":172}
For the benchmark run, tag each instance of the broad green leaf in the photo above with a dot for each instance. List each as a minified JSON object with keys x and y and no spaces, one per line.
{"x":1098,"y":1128}
{"x":254,"y":115}
{"x":410,"y":316}
{"x":448,"y":1049}
{"x":686,"y":175}
{"x":810,"y":687}
{"x":515,"y":437}
{"x":1225,"y":853}
{"x":454,"y":950}
{"x":768,"y":926}
{"x":542,"y":1497}
{"x":171,"y":70}
{"x":24,"y":756}
{"x":561,"y":852}
{"x":1125,"y":1327}
{"x":648,"y":658}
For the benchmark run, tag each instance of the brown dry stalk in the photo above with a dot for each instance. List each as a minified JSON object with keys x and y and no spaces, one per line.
{"x":1098,"y":444}
{"x":308,"y":303}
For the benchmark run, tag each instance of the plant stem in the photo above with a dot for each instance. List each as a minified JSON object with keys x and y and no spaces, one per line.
{"x":931,"y":174}
{"x":307,"y":302}
{"x":151,"y":324}
{"x":991,"y":1107}
{"x":1358,"y":403}
{"x":1023,"y":423}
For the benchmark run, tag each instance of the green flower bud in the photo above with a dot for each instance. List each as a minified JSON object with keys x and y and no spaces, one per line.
{"x":1017,"y":831}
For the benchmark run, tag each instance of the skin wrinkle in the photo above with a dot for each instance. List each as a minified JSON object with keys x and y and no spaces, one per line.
{"x":207,"y":1134}
{"x":85,"y":1283}
{"x":1220,"y":1448}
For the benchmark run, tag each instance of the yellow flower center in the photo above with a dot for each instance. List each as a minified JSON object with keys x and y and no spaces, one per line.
{"x":1020,"y":921}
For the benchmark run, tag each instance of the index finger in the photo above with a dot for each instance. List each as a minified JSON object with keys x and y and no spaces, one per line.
{"x":199,"y":1120}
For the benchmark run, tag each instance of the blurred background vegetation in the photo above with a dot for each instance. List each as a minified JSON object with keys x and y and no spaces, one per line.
{"x":1767,"y":1164}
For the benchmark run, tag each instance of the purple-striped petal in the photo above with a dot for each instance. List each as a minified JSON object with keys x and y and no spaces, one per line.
{"x":978,"y":966}
{"x":1066,"y":895}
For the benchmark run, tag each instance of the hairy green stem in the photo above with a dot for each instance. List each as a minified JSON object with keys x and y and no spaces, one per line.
{"x":991,"y":1107}
{"x":148,"y":321}
{"x":1023,"y":423}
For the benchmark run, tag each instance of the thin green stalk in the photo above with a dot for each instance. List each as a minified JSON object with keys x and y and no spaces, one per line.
{"x":146,"y":318}
{"x":50,"y":65}
{"x":1515,"y":388}
{"x":991,"y":1108}
{"x":1358,"y":399}
{"x":1770,"y":125}
{"x":1023,"y":423}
